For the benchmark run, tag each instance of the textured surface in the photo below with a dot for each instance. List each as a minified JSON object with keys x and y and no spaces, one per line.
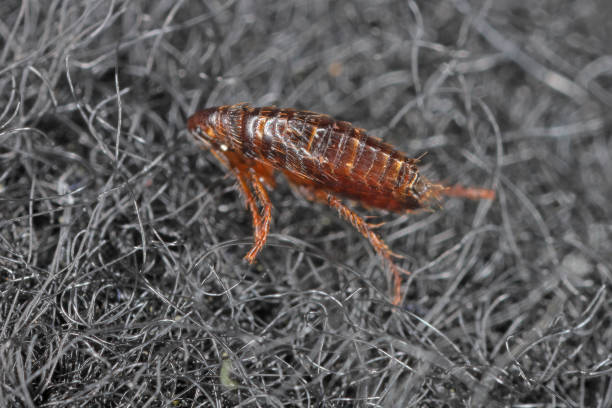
{"x":121,"y":274}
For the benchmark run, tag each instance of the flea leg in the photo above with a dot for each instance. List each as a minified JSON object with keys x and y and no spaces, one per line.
{"x":472,"y":193}
{"x":250,"y":201}
{"x":262,"y":224}
{"x":367,"y":231}
{"x":362,"y":226}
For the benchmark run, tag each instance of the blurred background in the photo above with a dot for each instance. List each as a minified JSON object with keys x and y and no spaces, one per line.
{"x":122,"y":281}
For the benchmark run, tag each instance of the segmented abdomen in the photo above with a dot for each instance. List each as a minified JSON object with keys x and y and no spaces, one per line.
{"x":315,"y":150}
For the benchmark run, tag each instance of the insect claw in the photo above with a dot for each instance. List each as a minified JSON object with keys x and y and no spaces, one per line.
{"x":252,"y":254}
{"x":394,"y":255}
{"x":250,"y":257}
{"x":374,"y":226}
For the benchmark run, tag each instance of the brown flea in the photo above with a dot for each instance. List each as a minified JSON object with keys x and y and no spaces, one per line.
{"x":325,"y":159}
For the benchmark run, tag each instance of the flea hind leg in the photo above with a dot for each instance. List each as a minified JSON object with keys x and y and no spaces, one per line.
{"x":366,"y":230}
{"x":472,"y":193}
{"x":262,"y":223}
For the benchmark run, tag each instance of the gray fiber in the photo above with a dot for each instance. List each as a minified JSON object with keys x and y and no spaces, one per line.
{"x":122,"y":278}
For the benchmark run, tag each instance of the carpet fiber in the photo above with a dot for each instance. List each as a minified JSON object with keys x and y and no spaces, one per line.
{"x":122,"y":279}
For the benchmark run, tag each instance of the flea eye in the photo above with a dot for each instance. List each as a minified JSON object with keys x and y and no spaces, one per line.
{"x":200,"y":132}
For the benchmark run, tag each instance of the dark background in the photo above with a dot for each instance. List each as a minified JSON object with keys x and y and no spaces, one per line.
{"x":121,"y":274}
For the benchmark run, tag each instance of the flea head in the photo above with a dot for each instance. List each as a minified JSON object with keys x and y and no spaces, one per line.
{"x":204,"y":126}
